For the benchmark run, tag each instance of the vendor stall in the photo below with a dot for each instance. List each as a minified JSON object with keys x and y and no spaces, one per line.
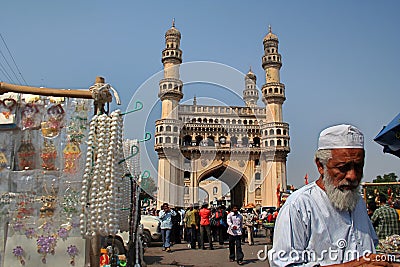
{"x":63,"y":179}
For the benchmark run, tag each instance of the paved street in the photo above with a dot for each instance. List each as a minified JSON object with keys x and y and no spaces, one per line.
{"x":183,"y":256}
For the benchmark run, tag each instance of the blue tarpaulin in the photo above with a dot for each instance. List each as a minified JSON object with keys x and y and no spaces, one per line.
{"x":389,"y":137}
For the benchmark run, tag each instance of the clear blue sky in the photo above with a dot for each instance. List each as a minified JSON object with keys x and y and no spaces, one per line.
{"x":340,"y":58}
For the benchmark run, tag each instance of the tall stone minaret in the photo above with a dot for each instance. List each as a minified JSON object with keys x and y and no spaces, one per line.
{"x":250,"y":92}
{"x":170,"y":173}
{"x":171,"y":85}
{"x":275,"y":136}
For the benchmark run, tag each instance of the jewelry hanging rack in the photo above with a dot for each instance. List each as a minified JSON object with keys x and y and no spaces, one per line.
{"x":101,"y":94}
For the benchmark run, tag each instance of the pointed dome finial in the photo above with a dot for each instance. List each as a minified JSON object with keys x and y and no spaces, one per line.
{"x":269,"y":28}
{"x":173,"y":22}
{"x":250,"y":69}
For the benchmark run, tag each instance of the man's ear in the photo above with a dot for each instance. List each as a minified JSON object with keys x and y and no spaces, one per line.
{"x":320,"y":167}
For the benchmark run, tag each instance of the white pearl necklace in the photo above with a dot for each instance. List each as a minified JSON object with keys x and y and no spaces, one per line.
{"x":102,"y":179}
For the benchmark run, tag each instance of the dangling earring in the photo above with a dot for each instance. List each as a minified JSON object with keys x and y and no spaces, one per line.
{"x":26,"y":155}
{"x":48,"y":155}
{"x":72,"y":153}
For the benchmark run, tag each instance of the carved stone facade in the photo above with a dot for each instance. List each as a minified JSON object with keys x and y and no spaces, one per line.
{"x":245,"y":147}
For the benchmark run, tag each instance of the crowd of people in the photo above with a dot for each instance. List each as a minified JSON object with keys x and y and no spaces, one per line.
{"x":384,"y":216}
{"x":202,"y":226}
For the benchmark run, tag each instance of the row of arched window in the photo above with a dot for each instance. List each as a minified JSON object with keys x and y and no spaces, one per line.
{"x":172,"y":45}
{"x":187,"y":141}
{"x":171,"y":53}
{"x":274,"y":90}
{"x":224,"y":110}
{"x":274,"y":58}
{"x":272,"y":50}
{"x":175,"y":129}
{"x":231,"y":131}
{"x":166,"y":140}
{"x":278,"y":132}
{"x":221,"y":121}
{"x":278,"y":143}
{"x":210,"y":141}
{"x":250,"y":92}
{"x":170,"y":86}
{"x":167,"y":128}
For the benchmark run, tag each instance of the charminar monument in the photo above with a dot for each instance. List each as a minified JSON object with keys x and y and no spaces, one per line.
{"x":243,"y":146}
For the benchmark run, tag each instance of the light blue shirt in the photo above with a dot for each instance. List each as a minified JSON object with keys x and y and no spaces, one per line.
{"x":309,"y":231}
{"x":165,"y":218}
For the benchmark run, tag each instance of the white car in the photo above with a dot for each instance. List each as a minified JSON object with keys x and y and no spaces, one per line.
{"x":150,"y":228}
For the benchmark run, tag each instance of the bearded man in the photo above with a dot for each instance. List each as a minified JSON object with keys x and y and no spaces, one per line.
{"x":326,"y":221}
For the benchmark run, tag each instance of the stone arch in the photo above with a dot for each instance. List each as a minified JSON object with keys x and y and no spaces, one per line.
{"x":234,"y":179}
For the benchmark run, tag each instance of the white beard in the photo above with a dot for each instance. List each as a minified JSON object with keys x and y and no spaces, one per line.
{"x":345,"y":200}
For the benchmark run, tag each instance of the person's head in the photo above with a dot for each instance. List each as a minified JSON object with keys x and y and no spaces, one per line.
{"x":165,"y":206}
{"x":371,"y":206}
{"x":235,"y":209}
{"x":382,"y":199}
{"x":204,"y":206}
{"x":340,"y":162}
{"x":191,"y":207}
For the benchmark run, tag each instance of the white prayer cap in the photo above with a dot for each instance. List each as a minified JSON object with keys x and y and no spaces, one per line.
{"x":341,"y":136}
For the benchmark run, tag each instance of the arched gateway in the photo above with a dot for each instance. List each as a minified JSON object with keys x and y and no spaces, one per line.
{"x":245,"y":147}
{"x":235,"y":180}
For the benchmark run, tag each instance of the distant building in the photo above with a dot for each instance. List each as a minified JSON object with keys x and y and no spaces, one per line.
{"x":214,"y":193}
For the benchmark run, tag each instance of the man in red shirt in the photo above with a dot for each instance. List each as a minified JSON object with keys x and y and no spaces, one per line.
{"x":205,"y":215}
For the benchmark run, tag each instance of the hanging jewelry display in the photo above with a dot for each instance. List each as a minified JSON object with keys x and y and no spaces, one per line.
{"x":46,"y":245}
{"x":48,"y":155}
{"x":72,"y":153}
{"x":30,"y":117}
{"x":76,"y":131}
{"x":52,"y":126}
{"x":101,"y":195}
{"x":49,"y":206}
{"x":19,"y":252}
{"x":26,"y":155}
{"x":70,"y":202}
{"x":78,"y":122}
{"x":7,"y":113}
{"x":3,"y":158}
{"x":72,"y":251}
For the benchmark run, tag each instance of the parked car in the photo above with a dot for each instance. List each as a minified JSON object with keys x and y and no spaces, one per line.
{"x":150,"y":228}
